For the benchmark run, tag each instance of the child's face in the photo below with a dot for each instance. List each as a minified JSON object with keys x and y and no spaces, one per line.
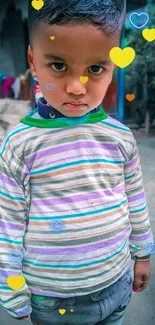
{"x":83,"y":51}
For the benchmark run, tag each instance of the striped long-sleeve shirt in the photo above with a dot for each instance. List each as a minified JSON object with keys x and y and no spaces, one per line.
{"x":72,"y":207}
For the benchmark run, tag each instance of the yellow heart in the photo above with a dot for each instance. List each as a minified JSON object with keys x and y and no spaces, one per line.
{"x":37,"y":4}
{"x":83,"y":79}
{"x":62,"y":311}
{"x":52,"y":37}
{"x":149,"y":34}
{"x":15,"y":282}
{"x":122,"y":58}
{"x":130,"y":97}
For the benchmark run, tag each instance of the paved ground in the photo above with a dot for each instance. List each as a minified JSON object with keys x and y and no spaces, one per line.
{"x":141,"y":310}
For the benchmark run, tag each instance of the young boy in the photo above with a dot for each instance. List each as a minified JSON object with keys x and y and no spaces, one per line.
{"x":73,"y":207}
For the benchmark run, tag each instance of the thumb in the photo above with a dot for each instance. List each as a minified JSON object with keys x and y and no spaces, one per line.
{"x":137,"y":282}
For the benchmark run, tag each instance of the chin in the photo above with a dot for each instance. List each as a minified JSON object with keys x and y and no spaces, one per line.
{"x":74,"y":114}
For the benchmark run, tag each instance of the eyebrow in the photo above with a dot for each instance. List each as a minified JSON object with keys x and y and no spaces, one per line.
{"x":58,"y":58}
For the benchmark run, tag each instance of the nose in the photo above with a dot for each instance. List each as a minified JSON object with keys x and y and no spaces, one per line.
{"x":76,"y":87}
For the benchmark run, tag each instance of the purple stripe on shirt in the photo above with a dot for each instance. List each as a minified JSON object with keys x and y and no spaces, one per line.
{"x":133,"y":161}
{"x":81,"y":249}
{"x":83,"y":157}
{"x":7,"y":180}
{"x":110,"y":251}
{"x":69,"y":147}
{"x":84,"y":197}
{"x":9,"y":225}
{"x":142,"y":237}
{"x":6,"y":273}
{"x":47,"y":293}
{"x":139,"y":196}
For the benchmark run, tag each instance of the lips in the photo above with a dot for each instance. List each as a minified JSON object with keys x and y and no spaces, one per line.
{"x":75,"y":105}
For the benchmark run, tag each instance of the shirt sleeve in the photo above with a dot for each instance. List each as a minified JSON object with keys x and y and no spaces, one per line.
{"x":141,"y":235}
{"x":14,"y":205}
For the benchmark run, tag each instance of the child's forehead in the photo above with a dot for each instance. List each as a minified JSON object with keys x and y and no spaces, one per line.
{"x":74,"y":28}
{"x":75,"y":38}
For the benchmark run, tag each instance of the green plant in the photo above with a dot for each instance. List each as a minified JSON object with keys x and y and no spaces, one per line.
{"x":142,"y":70}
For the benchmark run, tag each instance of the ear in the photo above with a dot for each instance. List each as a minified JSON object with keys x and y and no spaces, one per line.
{"x":31,"y":62}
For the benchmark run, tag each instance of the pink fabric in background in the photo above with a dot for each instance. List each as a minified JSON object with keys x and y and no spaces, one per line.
{"x":5,"y":86}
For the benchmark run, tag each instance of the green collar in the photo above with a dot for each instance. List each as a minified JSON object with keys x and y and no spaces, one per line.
{"x":64,"y":121}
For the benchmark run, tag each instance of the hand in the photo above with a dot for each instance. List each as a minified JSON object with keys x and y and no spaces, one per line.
{"x":142,"y":273}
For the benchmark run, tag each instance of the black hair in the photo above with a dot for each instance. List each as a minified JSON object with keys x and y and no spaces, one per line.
{"x":107,"y":15}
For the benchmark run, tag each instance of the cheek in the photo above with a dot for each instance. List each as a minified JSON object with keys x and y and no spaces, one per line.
{"x":52,"y":86}
{"x":50,"y":89}
{"x":98,"y":89}
{"x":46,"y":82}
{"x":106,"y":82}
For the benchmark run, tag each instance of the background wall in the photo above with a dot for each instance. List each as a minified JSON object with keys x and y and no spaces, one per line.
{"x":13,"y":37}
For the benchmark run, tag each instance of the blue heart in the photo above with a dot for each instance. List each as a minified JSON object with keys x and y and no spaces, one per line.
{"x":139,"y":20}
{"x":16,"y":257}
{"x":150,"y":248}
{"x":57,"y":225}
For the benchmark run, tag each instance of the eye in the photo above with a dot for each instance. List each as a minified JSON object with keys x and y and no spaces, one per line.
{"x":96,"y":69}
{"x":59,"y":67}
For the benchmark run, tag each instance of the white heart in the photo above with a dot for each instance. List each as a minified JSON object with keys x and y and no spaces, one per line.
{"x":49,"y":86}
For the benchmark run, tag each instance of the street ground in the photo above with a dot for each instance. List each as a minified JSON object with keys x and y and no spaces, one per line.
{"x":141,"y":310}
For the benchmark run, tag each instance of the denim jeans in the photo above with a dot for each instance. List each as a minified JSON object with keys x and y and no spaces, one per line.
{"x":104,"y":307}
